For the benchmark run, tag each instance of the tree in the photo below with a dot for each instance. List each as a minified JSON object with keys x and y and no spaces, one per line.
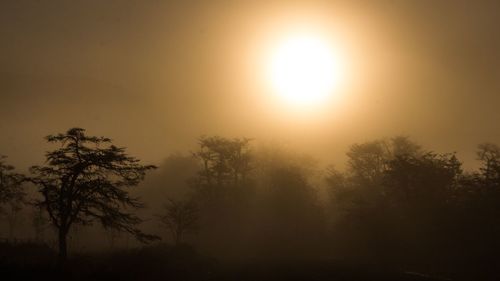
{"x":394,"y":194}
{"x":363,"y":186}
{"x":171,"y":179}
{"x":180,"y":217}
{"x":85,"y":181}
{"x":293,"y":219}
{"x":222,"y":189}
{"x":224,"y":162}
{"x":368,"y":161}
{"x":361,"y":189}
{"x":288,"y":216}
{"x":427,"y":179}
{"x":11,"y":193}
{"x":482,"y":193}
{"x":489,"y":155}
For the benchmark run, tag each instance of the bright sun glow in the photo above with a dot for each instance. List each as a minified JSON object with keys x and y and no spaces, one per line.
{"x":304,"y":70}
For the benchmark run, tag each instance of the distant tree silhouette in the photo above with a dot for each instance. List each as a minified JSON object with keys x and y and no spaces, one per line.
{"x":403,"y":146}
{"x":429,"y":178}
{"x":84,"y":181}
{"x":360,"y":189}
{"x":222,"y":189}
{"x":482,"y":200}
{"x":293,"y":215}
{"x":171,"y":180}
{"x":368,"y":161}
{"x":224,"y":161}
{"x":394,"y":194}
{"x":179,"y":217}
{"x":489,"y":155}
{"x":11,"y":193}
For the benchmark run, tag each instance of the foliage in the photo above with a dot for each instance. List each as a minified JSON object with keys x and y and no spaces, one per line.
{"x":85,"y":180}
{"x":12,"y":195}
{"x":11,"y":191}
{"x":224,"y":162}
{"x":395,"y":196}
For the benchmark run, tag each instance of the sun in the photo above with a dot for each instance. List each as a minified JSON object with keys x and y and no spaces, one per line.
{"x":304,"y":70}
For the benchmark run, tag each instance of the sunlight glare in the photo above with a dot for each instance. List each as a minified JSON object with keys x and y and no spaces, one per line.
{"x":304,"y":70}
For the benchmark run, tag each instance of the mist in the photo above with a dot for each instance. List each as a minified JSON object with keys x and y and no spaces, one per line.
{"x":375,"y":178}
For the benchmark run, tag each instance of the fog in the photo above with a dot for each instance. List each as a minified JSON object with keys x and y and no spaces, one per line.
{"x":157,"y":77}
{"x":172,"y":71}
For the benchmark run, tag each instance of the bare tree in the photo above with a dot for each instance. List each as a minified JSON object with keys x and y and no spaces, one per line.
{"x":85,"y":181}
{"x":180,"y":217}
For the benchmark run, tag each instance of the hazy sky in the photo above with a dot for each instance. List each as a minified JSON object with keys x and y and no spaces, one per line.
{"x":155,"y":75}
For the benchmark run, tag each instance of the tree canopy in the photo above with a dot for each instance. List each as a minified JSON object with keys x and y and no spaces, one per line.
{"x":85,"y":180}
{"x":11,"y":191}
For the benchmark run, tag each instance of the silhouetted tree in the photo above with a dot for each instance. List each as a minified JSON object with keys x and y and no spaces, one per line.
{"x":489,"y":155}
{"x":421,"y":190}
{"x":179,"y":217}
{"x":84,"y":181}
{"x":289,"y":218}
{"x":368,"y":161}
{"x":362,"y":185}
{"x":428,"y":179}
{"x":293,"y":217}
{"x":224,"y":162}
{"x":11,"y":194}
{"x":402,"y":146}
{"x":171,"y":179}
{"x":358,"y":193}
{"x":482,"y":200}
{"x":395,"y":194}
{"x":222,"y":190}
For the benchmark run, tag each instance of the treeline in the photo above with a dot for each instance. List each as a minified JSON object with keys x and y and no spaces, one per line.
{"x":401,"y":204}
{"x":395,"y":203}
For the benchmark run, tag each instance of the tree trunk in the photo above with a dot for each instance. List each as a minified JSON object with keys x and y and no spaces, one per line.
{"x":63,"y":249}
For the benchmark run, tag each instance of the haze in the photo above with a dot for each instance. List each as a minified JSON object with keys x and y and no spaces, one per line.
{"x":249,"y":140}
{"x":156,"y":75}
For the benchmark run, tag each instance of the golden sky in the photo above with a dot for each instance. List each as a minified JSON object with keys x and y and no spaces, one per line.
{"x":155,"y":75}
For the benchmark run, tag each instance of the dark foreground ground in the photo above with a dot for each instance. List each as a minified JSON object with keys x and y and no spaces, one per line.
{"x":162,"y":262}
